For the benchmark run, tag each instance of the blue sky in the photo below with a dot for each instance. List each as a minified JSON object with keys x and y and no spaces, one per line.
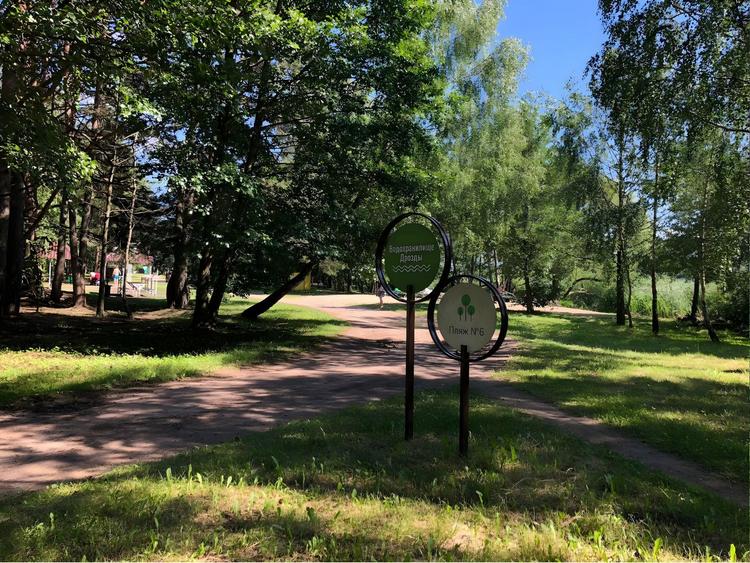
{"x":561,"y":34}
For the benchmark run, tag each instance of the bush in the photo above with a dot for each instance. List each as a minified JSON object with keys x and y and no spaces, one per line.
{"x":733,"y":304}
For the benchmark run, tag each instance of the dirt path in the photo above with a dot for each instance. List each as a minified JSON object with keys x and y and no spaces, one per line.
{"x":366,"y":363}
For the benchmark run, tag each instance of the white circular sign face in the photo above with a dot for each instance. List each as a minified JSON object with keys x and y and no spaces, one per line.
{"x":466,"y":316}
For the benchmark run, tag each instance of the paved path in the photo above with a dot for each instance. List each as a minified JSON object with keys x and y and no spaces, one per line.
{"x":366,"y":363}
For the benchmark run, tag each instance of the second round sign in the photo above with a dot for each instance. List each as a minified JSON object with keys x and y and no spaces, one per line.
{"x":466,"y":316}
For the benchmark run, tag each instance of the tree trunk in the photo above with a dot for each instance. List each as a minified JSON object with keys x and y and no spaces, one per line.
{"x":528,"y":297}
{"x":70,"y":119}
{"x":11,"y":298}
{"x":496,"y":275}
{"x":201,"y":316}
{"x":5,"y":182}
{"x":555,"y":289}
{"x":8,"y":187}
{"x":695,"y":302}
{"x":620,"y":309}
{"x":131,"y":225}
{"x":79,"y":248}
{"x":630,"y":295}
{"x":220,"y":286}
{"x":257,"y":309}
{"x":654,"y":225}
{"x":702,"y":269}
{"x":178,"y":293}
{"x":79,"y":265}
{"x":654,"y":294}
{"x":76,"y":277}
{"x":105,"y":241}
{"x":59,"y":275}
{"x":97,"y":258}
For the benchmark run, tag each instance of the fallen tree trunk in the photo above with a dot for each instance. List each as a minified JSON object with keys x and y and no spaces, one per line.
{"x":575,"y":283}
{"x":256,"y":310}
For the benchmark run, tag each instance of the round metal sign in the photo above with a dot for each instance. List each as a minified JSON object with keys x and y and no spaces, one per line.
{"x":409,"y":253}
{"x":467,"y":317}
{"x":412,"y":257}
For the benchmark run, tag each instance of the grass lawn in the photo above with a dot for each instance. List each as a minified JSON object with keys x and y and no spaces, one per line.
{"x":56,"y":352}
{"x":346,"y":486}
{"x":678,"y":392}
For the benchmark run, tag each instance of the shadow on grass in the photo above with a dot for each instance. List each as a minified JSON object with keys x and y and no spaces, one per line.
{"x":519,"y":470}
{"x":136,"y":304}
{"x":66,"y":353}
{"x":642,"y":384}
{"x":604,"y":334}
{"x":153,"y":337}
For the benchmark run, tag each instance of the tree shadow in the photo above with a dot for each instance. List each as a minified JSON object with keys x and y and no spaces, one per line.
{"x":602,"y":333}
{"x":136,"y":304}
{"x":517,"y":466}
{"x":695,"y":417}
{"x":152,"y":337}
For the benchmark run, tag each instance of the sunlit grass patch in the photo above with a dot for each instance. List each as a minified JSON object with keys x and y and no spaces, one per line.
{"x":678,"y":392}
{"x":50,"y":354}
{"x":347,"y":487}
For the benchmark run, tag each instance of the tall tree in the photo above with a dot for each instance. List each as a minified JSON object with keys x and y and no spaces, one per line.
{"x":672,"y":68}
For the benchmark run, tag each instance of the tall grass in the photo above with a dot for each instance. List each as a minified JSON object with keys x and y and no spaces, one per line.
{"x":674,"y":296}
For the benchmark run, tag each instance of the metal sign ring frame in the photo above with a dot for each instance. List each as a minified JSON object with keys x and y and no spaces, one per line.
{"x":497,"y":298}
{"x":383,"y":240}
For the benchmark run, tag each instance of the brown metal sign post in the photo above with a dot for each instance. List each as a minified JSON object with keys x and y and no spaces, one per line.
{"x":463,"y":408}
{"x":467,"y":321}
{"x":409,"y":375}
{"x":408,"y":259}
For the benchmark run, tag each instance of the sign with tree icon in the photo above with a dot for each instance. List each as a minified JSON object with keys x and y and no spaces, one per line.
{"x":466,"y":316}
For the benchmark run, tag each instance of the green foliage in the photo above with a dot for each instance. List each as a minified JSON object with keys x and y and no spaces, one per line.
{"x":678,"y":60}
{"x":732,"y":304}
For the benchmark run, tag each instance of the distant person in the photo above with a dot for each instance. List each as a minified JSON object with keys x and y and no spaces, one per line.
{"x":379,"y":291}
{"x":116,"y":276}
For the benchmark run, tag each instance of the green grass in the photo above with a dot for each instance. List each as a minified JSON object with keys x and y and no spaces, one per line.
{"x":678,"y":392}
{"x":49,"y":354}
{"x":347,"y":487}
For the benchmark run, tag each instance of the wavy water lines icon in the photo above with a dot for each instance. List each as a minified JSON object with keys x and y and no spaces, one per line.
{"x":401,"y":268}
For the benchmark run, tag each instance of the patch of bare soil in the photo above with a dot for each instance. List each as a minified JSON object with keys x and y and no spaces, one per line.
{"x":464,"y":539}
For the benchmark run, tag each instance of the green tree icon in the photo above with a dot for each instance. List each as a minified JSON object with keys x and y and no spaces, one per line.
{"x":466,"y":300}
